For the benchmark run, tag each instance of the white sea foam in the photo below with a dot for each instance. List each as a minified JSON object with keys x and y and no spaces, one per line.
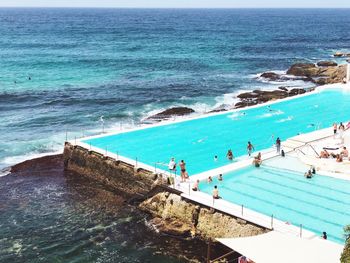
{"x":12,"y":160}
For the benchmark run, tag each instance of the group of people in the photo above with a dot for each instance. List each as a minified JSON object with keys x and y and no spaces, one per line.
{"x":195,"y":186}
{"x":172,"y":167}
{"x":310,"y":173}
{"x":339,"y":157}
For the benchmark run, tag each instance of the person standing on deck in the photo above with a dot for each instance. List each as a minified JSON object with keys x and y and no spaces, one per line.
{"x":278,"y":145}
{"x":335,"y":128}
{"x":250,"y":148}
{"x":172,"y":164}
{"x":183,"y":170}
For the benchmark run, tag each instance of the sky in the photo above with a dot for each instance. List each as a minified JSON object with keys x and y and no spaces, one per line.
{"x":178,"y":3}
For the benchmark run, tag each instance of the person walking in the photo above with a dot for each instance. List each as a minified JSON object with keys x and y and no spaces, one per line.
{"x":250,"y":148}
{"x":278,"y":145}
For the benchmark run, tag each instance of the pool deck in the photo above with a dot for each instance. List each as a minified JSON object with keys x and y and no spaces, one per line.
{"x":289,"y":146}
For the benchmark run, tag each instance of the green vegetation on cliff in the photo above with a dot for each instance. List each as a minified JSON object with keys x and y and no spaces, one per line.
{"x":345,"y":257}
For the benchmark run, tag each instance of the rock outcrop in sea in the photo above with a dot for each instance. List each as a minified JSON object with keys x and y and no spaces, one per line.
{"x":339,"y":54}
{"x":169,"y":113}
{"x":324,"y":72}
{"x":261,"y":96}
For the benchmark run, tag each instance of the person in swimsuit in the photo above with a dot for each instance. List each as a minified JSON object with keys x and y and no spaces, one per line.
{"x":339,"y":158}
{"x":182,"y":165}
{"x":196,"y":186}
{"x":216,"y":193}
{"x":229,"y":155}
{"x":215,"y":158}
{"x":250,"y":148}
{"x":335,"y":128}
{"x":308,"y":174}
{"x":344,"y":152}
{"x":220,"y":177}
{"x":209,"y":180}
{"x":257,"y":160}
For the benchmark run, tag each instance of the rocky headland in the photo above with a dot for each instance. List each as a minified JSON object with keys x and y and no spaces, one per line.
{"x":320,"y":73}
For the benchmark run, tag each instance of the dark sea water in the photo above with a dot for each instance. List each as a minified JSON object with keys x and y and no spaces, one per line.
{"x":124,"y":65}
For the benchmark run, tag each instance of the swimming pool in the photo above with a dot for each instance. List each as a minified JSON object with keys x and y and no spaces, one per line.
{"x":319,"y":204}
{"x":197,"y":141}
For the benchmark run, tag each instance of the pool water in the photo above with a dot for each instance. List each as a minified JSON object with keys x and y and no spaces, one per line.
{"x":319,"y":204}
{"x":197,"y":141}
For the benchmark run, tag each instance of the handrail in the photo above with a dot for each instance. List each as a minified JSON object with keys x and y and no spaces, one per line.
{"x":308,"y":144}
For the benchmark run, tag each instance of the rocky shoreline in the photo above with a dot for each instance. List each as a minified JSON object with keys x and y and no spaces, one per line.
{"x":149,"y":231}
{"x":320,"y":73}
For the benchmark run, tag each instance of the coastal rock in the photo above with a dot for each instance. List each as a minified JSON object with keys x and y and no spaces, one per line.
{"x":327,"y":64}
{"x":259,"y":96}
{"x":283,"y":88}
{"x":168,"y":113}
{"x":296,"y":91}
{"x":172,"y":227}
{"x":327,"y":73}
{"x":303,"y":69}
{"x":339,"y":54}
{"x":199,"y":220}
{"x":270,"y":76}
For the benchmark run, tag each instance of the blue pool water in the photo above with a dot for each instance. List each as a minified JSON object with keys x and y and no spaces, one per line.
{"x":197,"y":141}
{"x":319,"y":204}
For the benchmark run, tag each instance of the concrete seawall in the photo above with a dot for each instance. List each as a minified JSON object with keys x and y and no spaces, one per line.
{"x":114,"y":174}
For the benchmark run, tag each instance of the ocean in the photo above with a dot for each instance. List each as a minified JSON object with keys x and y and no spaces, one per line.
{"x":124,"y":64}
{"x":64,"y":70}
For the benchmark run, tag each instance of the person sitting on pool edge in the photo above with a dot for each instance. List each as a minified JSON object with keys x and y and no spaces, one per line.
{"x":196,"y":186}
{"x":216,"y":193}
{"x":344,"y":152}
{"x":324,"y":154}
{"x":257,"y":160}
{"x":209,"y":180}
{"x":339,"y":158}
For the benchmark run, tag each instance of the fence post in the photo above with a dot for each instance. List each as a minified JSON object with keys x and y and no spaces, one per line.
{"x":301,"y":230}
{"x":272,"y":222}
{"x":66,"y":136}
{"x":106,"y":151}
{"x":189,"y":189}
{"x":75,"y":140}
{"x":136,"y":162}
{"x":242,"y":210}
{"x":155,"y":168}
{"x":213,"y":201}
{"x":90,"y":146}
{"x":117,"y":156}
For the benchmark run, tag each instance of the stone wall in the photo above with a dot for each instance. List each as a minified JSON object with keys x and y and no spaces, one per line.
{"x":176,"y":216}
{"x":116,"y":175}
